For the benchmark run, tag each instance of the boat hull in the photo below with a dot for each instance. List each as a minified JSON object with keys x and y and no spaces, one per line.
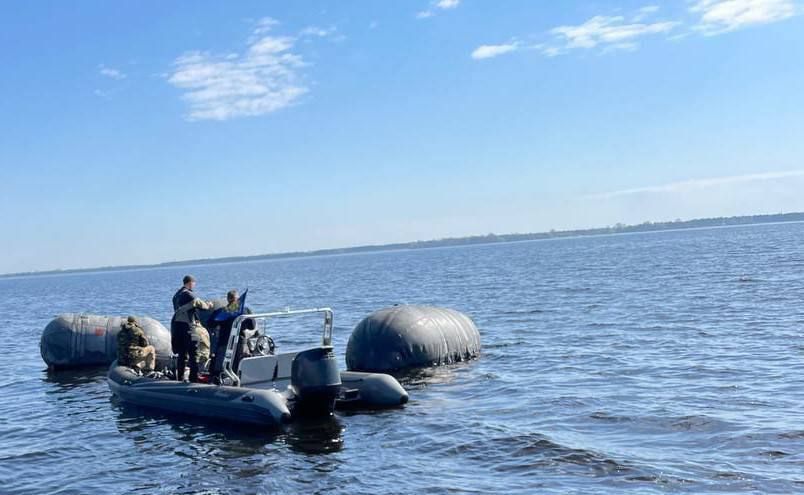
{"x":230,"y":404}
{"x":370,"y":391}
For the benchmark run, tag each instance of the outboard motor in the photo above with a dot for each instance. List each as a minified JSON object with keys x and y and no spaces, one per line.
{"x":315,"y":381}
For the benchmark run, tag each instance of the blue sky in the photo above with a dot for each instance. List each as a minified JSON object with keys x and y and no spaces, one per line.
{"x":130,"y":132}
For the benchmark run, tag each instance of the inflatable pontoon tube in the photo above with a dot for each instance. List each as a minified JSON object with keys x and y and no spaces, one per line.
{"x":75,"y":340}
{"x":409,"y":336}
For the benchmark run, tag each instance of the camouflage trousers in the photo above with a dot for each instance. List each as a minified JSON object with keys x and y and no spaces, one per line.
{"x":143,"y":358}
{"x":192,"y":348}
{"x":200,"y":346}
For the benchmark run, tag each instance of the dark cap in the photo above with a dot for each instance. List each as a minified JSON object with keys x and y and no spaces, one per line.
{"x":187,"y":279}
{"x":131,"y":319}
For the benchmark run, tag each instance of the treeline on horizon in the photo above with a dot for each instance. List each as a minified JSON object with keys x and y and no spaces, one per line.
{"x":618,"y":228}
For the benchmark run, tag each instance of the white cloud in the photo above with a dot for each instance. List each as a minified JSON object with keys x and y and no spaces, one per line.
{"x":696,"y":184}
{"x":490,"y":51}
{"x":721,"y":16}
{"x":110,"y":73}
{"x":608,"y":32}
{"x":318,"y":32}
{"x":644,"y":12}
{"x":264,"y":25}
{"x":263,"y":79}
{"x":436,"y":5}
{"x":623,"y":32}
{"x":447,"y":4}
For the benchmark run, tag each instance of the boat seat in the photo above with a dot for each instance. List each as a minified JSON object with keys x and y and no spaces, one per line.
{"x":265,"y":369}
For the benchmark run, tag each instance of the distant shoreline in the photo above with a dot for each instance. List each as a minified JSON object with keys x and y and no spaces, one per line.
{"x":452,"y":241}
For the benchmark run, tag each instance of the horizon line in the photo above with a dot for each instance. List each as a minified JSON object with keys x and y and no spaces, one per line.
{"x":475,"y":239}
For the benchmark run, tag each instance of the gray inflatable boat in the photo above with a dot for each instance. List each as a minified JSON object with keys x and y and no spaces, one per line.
{"x":266,"y":388}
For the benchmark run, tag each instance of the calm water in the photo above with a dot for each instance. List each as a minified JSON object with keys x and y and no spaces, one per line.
{"x":669,"y":362}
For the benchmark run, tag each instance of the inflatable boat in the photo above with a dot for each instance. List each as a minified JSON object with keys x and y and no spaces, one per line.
{"x":266,"y":387}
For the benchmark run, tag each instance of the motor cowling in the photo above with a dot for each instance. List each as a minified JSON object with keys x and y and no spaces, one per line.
{"x":315,"y":381}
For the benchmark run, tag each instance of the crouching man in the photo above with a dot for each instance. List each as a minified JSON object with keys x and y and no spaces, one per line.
{"x":133,"y":349}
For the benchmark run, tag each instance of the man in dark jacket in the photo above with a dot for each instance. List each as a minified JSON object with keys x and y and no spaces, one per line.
{"x":189,"y":338}
{"x":133,"y":349}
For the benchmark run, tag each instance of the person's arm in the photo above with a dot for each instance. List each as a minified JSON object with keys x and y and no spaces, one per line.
{"x":142,"y":340}
{"x":195,"y":303}
{"x":200,"y":304}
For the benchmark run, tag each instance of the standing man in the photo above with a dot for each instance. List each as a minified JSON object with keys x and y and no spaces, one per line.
{"x":188,"y":335}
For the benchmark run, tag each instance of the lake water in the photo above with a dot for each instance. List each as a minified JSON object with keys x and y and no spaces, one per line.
{"x":667,"y":362}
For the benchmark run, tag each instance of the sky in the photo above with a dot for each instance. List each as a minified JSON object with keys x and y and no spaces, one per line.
{"x":143,"y":132}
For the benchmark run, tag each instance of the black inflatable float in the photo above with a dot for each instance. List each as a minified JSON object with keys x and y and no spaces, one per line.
{"x":408,"y":336}
{"x":73,"y":340}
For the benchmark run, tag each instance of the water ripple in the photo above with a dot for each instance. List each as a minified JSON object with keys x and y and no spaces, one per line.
{"x":649,"y":363}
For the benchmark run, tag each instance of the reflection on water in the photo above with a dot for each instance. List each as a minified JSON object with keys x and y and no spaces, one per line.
{"x":322,"y":436}
{"x":424,"y":377}
{"x":74,"y":378}
{"x":319,"y":436}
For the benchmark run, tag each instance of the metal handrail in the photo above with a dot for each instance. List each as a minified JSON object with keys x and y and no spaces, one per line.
{"x":234,"y":335}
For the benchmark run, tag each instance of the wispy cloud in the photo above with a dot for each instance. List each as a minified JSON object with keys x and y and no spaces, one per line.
{"x":696,"y":184}
{"x":110,"y":72}
{"x":607,"y":33}
{"x":437,"y":5}
{"x":264,"y":25}
{"x":491,"y":51}
{"x":722,"y":16}
{"x":644,"y":12}
{"x":317,"y":32}
{"x":262,"y":79}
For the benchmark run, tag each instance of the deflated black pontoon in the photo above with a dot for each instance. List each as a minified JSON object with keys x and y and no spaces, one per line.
{"x":408,"y":336}
{"x":76,"y":340}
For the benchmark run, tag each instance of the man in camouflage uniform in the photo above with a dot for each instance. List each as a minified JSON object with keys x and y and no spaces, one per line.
{"x":190,"y":339}
{"x":133,"y":349}
{"x":232,"y":302}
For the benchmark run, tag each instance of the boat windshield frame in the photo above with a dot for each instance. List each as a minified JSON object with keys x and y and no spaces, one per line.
{"x":234,"y":335}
